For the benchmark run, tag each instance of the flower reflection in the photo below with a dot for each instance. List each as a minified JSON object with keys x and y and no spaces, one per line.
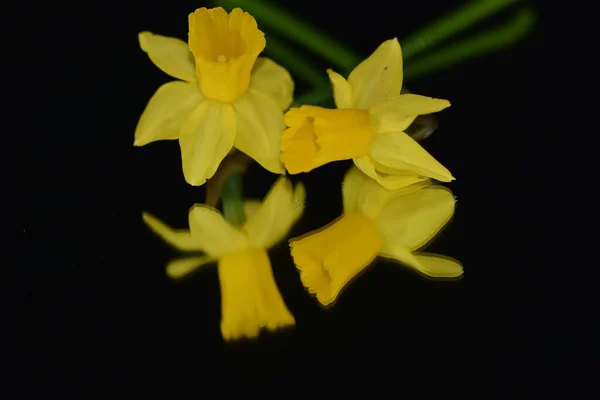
{"x":250,"y":299}
{"x":376,"y":221}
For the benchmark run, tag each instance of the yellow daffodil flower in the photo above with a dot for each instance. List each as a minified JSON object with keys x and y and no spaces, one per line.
{"x":367,"y":126}
{"x":376,"y":221}
{"x":226,"y":96}
{"x":250,"y":299}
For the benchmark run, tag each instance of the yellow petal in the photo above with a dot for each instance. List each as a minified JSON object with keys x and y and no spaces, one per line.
{"x":183,"y":266}
{"x":397,"y":114}
{"x":342,"y":92}
{"x":414,"y":219}
{"x":379,"y":77}
{"x":394,"y":181}
{"x":251,"y":207}
{"x":362,"y":194}
{"x":330,"y":257}
{"x":396,"y":251}
{"x":216,"y":235}
{"x":280,"y":210}
{"x":250,"y":299}
{"x":438,"y":266}
{"x":273,"y":80}
{"x":431,"y":265}
{"x":180,"y":239}
{"x":167,"y":110}
{"x":259,"y":127}
{"x":206,"y":138}
{"x":399,"y":151}
{"x":225,"y":47}
{"x":169,"y":54}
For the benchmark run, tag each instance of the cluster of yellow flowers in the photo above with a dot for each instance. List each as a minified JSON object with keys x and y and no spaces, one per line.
{"x":229,"y":97}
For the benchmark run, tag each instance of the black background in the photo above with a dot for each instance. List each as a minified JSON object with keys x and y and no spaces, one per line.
{"x":105,"y":316}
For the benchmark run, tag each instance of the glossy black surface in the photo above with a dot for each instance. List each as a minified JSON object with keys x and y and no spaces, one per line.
{"x":105,"y":313}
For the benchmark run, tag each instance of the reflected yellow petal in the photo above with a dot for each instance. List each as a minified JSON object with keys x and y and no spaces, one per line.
{"x":169,"y":54}
{"x":329,"y":258}
{"x":216,"y":235}
{"x":280,"y":210}
{"x":167,"y":110}
{"x":225,"y":47}
{"x":414,"y":219}
{"x":342,"y":92}
{"x":206,"y":138}
{"x":361,"y":193}
{"x":437,"y":266}
{"x":399,"y":151}
{"x":251,"y":207}
{"x":260,"y":124}
{"x":274,"y":81}
{"x":250,"y":299}
{"x":379,"y":77}
{"x":180,"y":239}
{"x":402,"y":254}
{"x":181,"y":267}
{"x":397,"y":114}
{"x":394,"y":181}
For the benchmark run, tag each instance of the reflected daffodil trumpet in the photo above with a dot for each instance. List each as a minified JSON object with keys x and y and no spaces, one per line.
{"x":375,"y":222}
{"x":250,"y":299}
{"x":226,"y":96}
{"x":368,"y":125}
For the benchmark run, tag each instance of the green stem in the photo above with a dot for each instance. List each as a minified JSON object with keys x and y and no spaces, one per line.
{"x":294,"y":29}
{"x":450,"y":24}
{"x":232,"y":200}
{"x":475,"y":46}
{"x":298,"y":66}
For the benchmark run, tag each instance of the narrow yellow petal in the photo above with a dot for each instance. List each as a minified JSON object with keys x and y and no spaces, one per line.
{"x":361,"y":193}
{"x":397,"y":114}
{"x":437,"y":266}
{"x":342,"y":92}
{"x":259,"y":121}
{"x":225,"y":47}
{"x":180,"y":239}
{"x":379,"y":77}
{"x":431,"y":265}
{"x":397,"y":180}
{"x":272,"y":79}
{"x":216,"y":235}
{"x":414,"y":219}
{"x":169,"y":54}
{"x":181,"y":267}
{"x":280,"y":210}
{"x":399,"y":151}
{"x":329,"y":258}
{"x":251,"y":207}
{"x":317,"y":136}
{"x":396,"y":251}
{"x":250,"y":299}
{"x":206,"y":138}
{"x":167,"y":110}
